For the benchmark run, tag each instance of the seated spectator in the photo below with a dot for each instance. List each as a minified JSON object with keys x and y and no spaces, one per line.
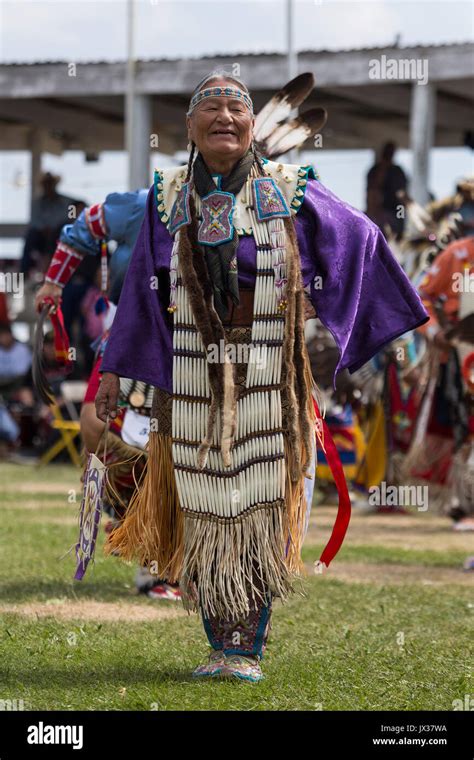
{"x":15,"y":357}
{"x":15,"y":362}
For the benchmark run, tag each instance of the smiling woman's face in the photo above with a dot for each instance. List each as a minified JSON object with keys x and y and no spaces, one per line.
{"x":221,"y":127}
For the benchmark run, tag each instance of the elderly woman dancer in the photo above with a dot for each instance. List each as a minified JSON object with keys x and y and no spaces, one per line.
{"x":212,"y":314}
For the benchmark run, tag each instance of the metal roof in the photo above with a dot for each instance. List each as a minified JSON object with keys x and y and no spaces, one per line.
{"x":249,"y":53}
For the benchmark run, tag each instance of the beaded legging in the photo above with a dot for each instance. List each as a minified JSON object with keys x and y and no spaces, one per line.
{"x":245,"y":636}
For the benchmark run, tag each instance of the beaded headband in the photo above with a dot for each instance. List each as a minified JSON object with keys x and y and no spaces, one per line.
{"x":213,"y":92}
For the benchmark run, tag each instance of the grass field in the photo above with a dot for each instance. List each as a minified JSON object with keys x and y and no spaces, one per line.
{"x":389,"y":627}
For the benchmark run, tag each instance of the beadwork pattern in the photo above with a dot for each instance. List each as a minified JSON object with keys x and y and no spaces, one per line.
{"x":217,"y":210}
{"x":219,"y":92}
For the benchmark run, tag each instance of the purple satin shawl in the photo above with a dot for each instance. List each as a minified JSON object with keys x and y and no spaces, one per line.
{"x":358,"y":289}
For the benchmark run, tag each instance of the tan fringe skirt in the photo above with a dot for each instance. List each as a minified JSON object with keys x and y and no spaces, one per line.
{"x":224,"y":566}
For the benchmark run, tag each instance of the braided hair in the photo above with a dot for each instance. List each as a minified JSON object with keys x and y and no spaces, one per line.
{"x":191,"y":160}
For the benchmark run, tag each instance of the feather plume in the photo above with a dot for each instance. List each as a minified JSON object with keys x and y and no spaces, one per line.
{"x":281,"y":104}
{"x":418,"y":216}
{"x":294,"y":133}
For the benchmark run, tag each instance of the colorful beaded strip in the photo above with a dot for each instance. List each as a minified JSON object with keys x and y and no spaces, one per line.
{"x":304,"y":173}
{"x":220,"y":92}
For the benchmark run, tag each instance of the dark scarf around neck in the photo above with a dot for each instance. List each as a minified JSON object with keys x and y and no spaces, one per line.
{"x":221,"y":260}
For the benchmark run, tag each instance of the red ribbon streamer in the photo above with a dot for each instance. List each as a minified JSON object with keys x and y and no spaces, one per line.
{"x":61,"y":340}
{"x":344,"y":508}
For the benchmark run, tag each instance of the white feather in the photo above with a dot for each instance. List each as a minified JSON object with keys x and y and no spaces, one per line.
{"x":271,"y":114}
{"x":287,"y":139}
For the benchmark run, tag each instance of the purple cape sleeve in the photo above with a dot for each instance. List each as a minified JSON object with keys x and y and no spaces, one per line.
{"x":140,"y":344}
{"x":357,"y":287}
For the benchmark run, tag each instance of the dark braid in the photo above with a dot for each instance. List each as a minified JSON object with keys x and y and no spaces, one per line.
{"x":191,"y":160}
{"x":258,"y":156}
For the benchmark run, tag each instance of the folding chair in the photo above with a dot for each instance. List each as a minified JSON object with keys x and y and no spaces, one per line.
{"x":72,"y":392}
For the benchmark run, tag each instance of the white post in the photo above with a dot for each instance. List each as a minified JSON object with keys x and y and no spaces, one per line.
{"x":292,"y":61}
{"x":139,"y":156}
{"x":292,"y":57}
{"x":35,"y":144}
{"x":130,"y":88}
{"x":422,"y":132}
{"x":137,"y":116}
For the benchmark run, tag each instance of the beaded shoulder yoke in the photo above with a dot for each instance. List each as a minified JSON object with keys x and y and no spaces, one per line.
{"x":291,"y":180}
{"x":222,"y":506}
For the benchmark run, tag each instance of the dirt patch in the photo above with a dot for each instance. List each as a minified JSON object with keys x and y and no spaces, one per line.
{"x":421,"y":530}
{"x":107,"y":612}
{"x":35,"y":487}
{"x":35,"y":505}
{"x":382,"y":574}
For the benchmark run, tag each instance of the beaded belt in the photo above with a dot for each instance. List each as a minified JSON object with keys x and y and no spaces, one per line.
{"x":241,"y":315}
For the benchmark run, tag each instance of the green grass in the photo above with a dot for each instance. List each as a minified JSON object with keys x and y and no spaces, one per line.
{"x":338,"y":648}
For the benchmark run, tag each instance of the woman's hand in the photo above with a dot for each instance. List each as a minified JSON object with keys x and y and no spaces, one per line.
{"x":107,"y":396}
{"x":48,"y":290}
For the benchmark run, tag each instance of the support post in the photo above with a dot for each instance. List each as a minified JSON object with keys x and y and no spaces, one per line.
{"x":139,"y":148}
{"x":422,"y":132}
{"x":35,"y":163}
